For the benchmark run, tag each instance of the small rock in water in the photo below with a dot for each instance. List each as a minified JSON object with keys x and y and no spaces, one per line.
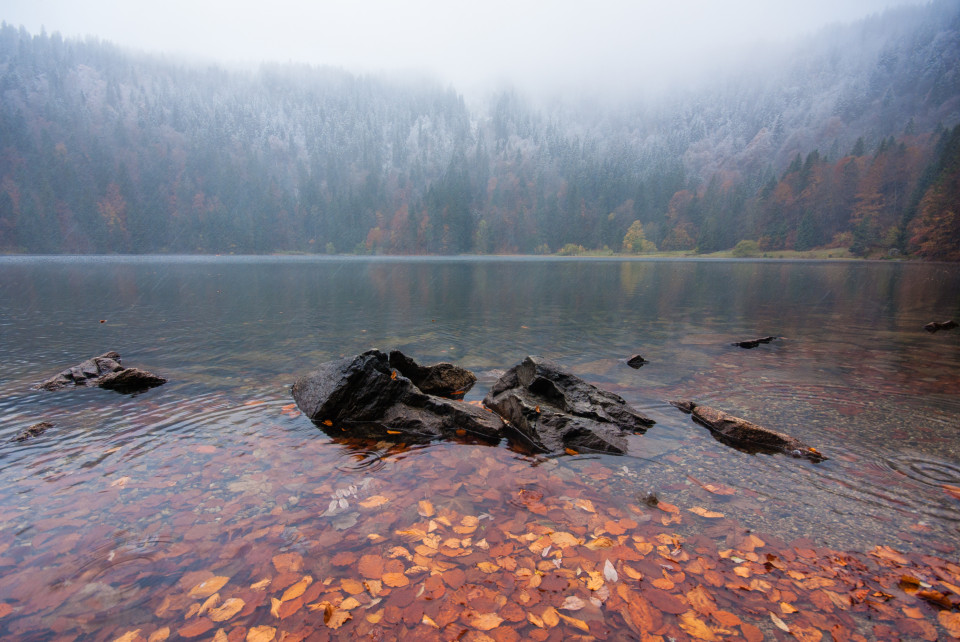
{"x":747,"y":435}
{"x":935,"y":326}
{"x":34,"y":431}
{"x":636,"y":361}
{"x":105,"y":371}
{"x":753,"y":343}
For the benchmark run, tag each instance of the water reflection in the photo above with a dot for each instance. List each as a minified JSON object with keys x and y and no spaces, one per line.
{"x":114,"y":507}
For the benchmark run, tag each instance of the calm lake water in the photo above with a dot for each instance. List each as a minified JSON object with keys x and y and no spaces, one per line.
{"x":128,"y":500}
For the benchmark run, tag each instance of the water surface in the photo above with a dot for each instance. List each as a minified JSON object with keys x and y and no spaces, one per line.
{"x":130,"y":498}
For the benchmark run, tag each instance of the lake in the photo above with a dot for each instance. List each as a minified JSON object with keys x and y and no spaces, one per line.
{"x":210,"y":508}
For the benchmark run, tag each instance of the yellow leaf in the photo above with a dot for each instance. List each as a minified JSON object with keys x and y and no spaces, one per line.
{"x":374,"y":501}
{"x":632,"y":573}
{"x":209,"y":587}
{"x":122,"y":482}
{"x":394,"y":432}
{"x":488,"y":567}
{"x":297,"y":589}
{"x":703,"y":512}
{"x":429,"y":622}
{"x":486,"y":621}
{"x":374,"y":618}
{"x":535,"y":619}
{"x":261,"y":634}
{"x":129,"y":636}
{"x":349,"y":604}
{"x":227,"y":610}
{"x":261,"y":585}
{"x":787,"y":608}
{"x":580,"y":624}
{"x":425,"y":508}
{"x":275,"y":607}
{"x":220,"y":636}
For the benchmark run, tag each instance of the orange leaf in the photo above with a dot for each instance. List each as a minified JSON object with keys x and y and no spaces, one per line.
{"x":208,"y":587}
{"x":696,"y":627}
{"x":668,"y":508}
{"x":701,"y":600}
{"x":287,"y":562}
{"x":550,"y":617}
{"x":374,"y":501}
{"x":5,"y":609}
{"x":486,"y":621}
{"x":395,"y":580}
{"x":227,"y":610}
{"x":950,"y":620}
{"x":371,"y":567}
{"x":488,"y":567}
{"x":787,"y":608}
{"x":297,"y":589}
{"x":425,"y":508}
{"x":580,"y":624}
{"x":338,"y":619}
{"x":353,"y":587}
{"x":195,"y":628}
{"x":703,"y":512}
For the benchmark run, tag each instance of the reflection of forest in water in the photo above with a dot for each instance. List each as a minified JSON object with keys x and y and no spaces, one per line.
{"x":855,"y":375}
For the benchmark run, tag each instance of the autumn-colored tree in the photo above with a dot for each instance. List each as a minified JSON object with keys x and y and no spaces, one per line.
{"x":635,"y":241}
{"x":936,"y":230}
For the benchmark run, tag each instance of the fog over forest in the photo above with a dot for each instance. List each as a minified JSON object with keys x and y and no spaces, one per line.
{"x":638,"y":136}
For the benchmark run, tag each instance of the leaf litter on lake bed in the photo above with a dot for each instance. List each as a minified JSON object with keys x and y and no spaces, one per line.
{"x":482,"y":546}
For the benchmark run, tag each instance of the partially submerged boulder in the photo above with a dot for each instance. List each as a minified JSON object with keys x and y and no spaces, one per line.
{"x":753,"y":343}
{"x":105,"y":371}
{"x":440,"y":379}
{"x":365,"y":396}
{"x":556,"y":410}
{"x":747,"y":435}
{"x":34,"y":431}
{"x":936,"y":326}
{"x":636,"y":361}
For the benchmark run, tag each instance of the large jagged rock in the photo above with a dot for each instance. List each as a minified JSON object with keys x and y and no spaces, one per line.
{"x":747,"y":435}
{"x":440,"y":379}
{"x":105,"y":371}
{"x":556,"y":410}
{"x":364,"y":396}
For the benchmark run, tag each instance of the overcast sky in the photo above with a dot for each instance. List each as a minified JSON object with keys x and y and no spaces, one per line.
{"x":554,"y":42}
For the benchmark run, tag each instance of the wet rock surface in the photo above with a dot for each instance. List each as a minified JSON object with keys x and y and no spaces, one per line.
{"x":105,"y":371}
{"x":555,"y":410}
{"x":440,"y":379}
{"x":34,"y":431}
{"x":364,"y":396}
{"x":636,"y":361}
{"x":746,"y":435}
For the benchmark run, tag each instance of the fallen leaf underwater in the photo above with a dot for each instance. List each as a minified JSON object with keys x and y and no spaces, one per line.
{"x":451,"y":541}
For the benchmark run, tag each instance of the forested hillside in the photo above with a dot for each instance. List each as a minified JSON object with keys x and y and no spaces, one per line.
{"x":847,"y":138}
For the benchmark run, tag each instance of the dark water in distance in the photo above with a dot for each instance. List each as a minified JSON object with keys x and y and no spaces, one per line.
{"x":855,"y":375}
